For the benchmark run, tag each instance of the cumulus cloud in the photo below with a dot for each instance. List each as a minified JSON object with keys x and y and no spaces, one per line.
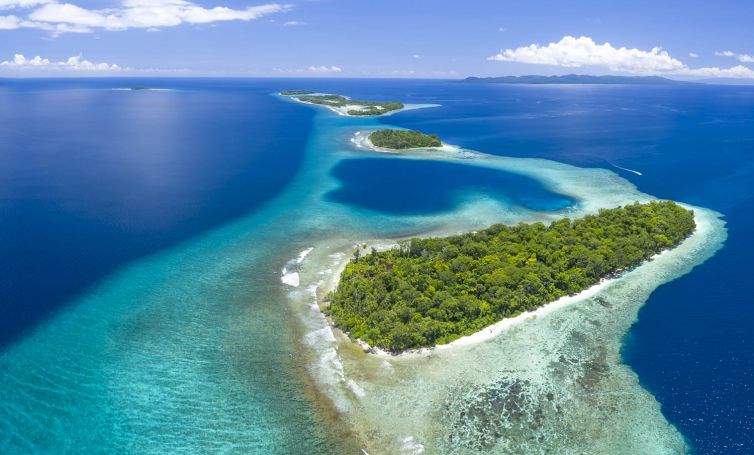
{"x":743,"y":58}
{"x":148,"y":14}
{"x":324,"y":69}
{"x":583,"y":51}
{"x":75,"y":63}
{"x":9,"y":22}
{"x":10,"y":4}
{"x":572,"y":52}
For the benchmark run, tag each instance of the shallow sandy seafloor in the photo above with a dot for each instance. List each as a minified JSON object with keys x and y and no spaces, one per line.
{"x":552,"y":384}
{"x":201,"y":349}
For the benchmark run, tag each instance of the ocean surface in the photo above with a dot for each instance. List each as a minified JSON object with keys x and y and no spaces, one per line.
{"x":142,"y":235}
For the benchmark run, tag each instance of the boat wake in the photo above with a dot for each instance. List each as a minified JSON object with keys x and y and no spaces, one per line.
{"x":624,"y":168}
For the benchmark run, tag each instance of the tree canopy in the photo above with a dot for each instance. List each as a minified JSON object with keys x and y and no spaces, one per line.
{"x":403,"y":139}
{"x":368,"y":107}
{"x":434,"y":290}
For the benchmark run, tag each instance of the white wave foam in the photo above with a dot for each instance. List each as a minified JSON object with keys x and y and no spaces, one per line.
{"x":289,"y":276}
{"x":355,"y":388}
{"x":302,"y":255}
{"x":409,"y":446}
{"x":327,"y":369}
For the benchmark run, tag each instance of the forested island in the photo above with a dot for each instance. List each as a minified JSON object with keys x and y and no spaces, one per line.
{"x":347,"y":105}
{"x":295,"y":92}
{"x":403,"y":139}
{"x":432,"y":291}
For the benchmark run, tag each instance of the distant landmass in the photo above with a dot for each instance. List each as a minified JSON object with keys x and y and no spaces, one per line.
{"x":576,"y":79}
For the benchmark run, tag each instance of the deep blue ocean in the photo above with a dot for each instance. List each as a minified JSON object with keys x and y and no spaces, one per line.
{"x":92,"y":179}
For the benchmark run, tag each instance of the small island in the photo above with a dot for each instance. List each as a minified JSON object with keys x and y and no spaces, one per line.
{"x":344,"y":105}
{"x":295,"y":92}
{"x":403,"y":139}
{"x":432,"y":291}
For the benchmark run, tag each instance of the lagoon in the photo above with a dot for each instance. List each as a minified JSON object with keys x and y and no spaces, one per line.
{"x":148,"y":311}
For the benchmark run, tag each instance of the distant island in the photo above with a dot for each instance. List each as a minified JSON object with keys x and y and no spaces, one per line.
{"x":432,"y":291}
{"x":576,"y":79}
{"x":403,"y":139}
{"x":344,"y":105}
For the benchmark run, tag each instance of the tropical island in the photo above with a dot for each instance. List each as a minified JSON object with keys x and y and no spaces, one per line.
{"x":344,"y":105}
{"x":295,"y":92}
{"x":403,"y":139}
{"x":432,"y":291}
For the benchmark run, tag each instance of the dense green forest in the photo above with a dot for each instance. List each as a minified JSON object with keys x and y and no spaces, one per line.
{"x":403,"y":139}
{"x":295,"y":92}
{"x":432,"y":291}
{"x":373,"y":107}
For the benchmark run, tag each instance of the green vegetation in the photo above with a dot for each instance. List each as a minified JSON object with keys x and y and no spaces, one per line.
{"x":432,"y":291}
{"x":138,"y":88}
{"x":295,"y":92}
{"x":370,"y":107}
{"x":403,"y":139}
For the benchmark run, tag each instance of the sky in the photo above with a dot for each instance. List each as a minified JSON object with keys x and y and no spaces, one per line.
{"x":689,"y":39}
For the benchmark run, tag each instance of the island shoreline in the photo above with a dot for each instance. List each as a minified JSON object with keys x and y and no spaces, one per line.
{"x":361,"y":140}
{"x":487,"y":333}
{"x":535,"y":362}
{"x":343,"y":110}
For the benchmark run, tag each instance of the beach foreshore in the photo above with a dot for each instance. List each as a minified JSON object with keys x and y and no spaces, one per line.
{"x":331,"y":283}
{"x":361,"y":140}
{"x":562,"y":368}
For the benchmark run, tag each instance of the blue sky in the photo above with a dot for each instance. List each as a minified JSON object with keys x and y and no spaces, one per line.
{"x":367,"y":38}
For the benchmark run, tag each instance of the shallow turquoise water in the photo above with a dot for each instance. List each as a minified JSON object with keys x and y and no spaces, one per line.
{"x":201,"y":348}
{"x":561,"y":372}
{"x":194,"y":349}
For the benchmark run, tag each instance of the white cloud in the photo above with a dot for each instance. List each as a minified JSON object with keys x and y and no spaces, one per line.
{"x":293,"y":23}
{"x":10,"y":4}
{"x":76,"y":63}
{"x":13,"y":22}
{"x":148,"y":14}
{"x":501,"y":29}
{"x":325,"y":69}
{"x":583,"y":51}
{"x":417,"y":56}
{"x":9,"y":22}
{"x":571,"y":52}
{"x":693,"y":55}
{"x":738,"y":72}
{"x":743,"y":58}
